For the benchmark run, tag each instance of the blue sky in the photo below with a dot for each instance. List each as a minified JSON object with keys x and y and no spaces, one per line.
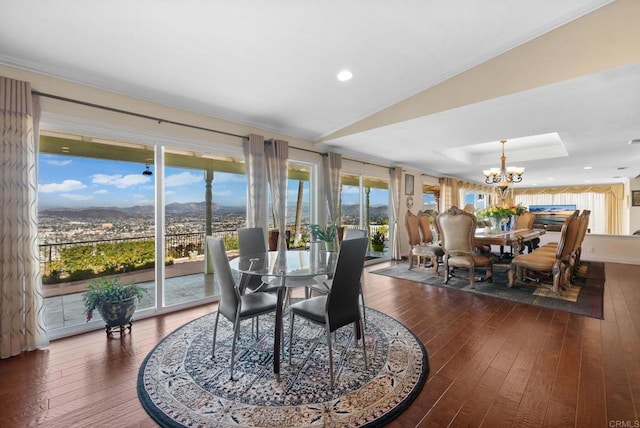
{"x":73,"y":182}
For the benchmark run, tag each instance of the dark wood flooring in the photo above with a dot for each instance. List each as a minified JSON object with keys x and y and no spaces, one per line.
{"x":493,"y":363}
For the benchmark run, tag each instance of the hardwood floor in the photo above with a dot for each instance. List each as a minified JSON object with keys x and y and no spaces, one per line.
{"x":493,"y":363}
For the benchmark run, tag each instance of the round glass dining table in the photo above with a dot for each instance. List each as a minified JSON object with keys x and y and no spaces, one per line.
{"x":290,"y":266}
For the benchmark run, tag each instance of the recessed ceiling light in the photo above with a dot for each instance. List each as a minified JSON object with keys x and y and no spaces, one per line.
{"x":344,"y":75}
{"x":621,"y":168}
{"x":587,"y":181}
{"x":552,"y":178}
{"x":588,"y":167}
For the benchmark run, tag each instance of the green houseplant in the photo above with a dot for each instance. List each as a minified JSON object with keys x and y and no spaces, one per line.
{"x":377,"y":241}
{"x":115,"y":301}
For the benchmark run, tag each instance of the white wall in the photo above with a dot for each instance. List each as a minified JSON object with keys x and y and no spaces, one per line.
{"x":605,"y":248}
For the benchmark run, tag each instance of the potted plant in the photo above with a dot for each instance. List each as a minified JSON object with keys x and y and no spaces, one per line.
{"x":116,"y":302}
{"x":326,"y":234}
{"x":377,"y":241}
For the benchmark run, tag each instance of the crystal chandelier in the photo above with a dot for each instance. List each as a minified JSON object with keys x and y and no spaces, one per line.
{"x":503,"y":177}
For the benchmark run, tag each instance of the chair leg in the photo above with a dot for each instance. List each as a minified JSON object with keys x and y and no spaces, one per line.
{"x":364,"y":346}
{"x":290,"y":334}
{"x":472,"y":276}
{"x":364,"y":311}
{"x":330,"y":354}
{"x":236,"y":331}
{"x":215,"y":332}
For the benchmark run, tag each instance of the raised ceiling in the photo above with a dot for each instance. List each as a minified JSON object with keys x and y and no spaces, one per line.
{"x":436,"y":84}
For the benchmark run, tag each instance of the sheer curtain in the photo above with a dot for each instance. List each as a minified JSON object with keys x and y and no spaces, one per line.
{"x":449,"y":194}
{"x":254,"y":159}
{"x":395,"y":181}
{"x":331,"y":166}
{"x":22,"y":326}
{"x":277,"y":155}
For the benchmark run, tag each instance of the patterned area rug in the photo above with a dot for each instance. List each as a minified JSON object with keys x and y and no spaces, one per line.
{"x":584,"y":299}
{"x":179,"y":385}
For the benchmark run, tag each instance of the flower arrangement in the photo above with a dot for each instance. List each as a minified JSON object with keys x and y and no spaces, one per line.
{"x":518,"y":209}
{"x":495,"y":212}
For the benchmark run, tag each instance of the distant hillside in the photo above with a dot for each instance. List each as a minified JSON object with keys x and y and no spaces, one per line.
{"x":107,"y":213}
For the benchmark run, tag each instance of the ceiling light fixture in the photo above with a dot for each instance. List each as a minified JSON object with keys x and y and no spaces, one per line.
{"x":503,"y":177}
{"x":635,"y":141}
{"x":147,"y":171}
{"x":344,"y":75}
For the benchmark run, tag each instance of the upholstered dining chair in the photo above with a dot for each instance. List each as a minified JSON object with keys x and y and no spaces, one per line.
{"x":457,"y":228}
{"x":340,"y":306}
{"x":234,"y":306}
{"x":434,"y":250}
{"x":416,"y":248}
{"x":550,"y":261}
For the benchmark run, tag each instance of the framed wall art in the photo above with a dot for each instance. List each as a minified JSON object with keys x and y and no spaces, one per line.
{"x":635,"y":198}
{"x":408,"y":184}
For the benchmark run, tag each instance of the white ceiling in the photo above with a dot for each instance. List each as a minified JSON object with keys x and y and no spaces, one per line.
{"x":273,"y":64}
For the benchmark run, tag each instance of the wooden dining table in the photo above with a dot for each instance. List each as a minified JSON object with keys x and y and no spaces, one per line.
{"x":517,"y":239}
{"x":290,"y":267}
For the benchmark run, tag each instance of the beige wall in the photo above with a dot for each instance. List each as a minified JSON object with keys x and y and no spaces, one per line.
{"x":634,"y":212}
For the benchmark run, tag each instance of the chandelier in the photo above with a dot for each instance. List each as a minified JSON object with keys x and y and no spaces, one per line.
{"x":503,"y":177}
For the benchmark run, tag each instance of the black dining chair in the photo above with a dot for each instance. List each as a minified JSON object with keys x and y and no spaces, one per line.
{"x":340,"y":307}
{"x":235,"y":306}
{"x":251,"y":241}
{"x":325,"y":286}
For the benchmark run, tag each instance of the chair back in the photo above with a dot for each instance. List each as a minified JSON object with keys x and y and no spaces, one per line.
{"x":354,"y":234}
{"x":251,"y":241}
{"x":568,"y":235}
{"x":413,"y":228}
{"x":343,"y":300}
{"x":229,"y":296}
{"x":425,"y":227}
{"x":457,"y":228}
{"x":525,"y":221}
{"x":582,"y":230}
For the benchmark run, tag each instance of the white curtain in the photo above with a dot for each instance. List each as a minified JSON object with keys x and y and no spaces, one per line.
{"x":331,"y":166}
{"x":595,"y":202}
{"x":395,"y":181}
{"x":277,"y":155}
{"x":22,"y":326}
{"x":254,"y":160}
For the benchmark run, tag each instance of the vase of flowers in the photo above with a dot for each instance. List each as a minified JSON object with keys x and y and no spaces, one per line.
{"x":498,"y":215}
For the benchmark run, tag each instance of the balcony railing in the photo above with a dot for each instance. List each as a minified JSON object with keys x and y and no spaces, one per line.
{"x":70,"y":261}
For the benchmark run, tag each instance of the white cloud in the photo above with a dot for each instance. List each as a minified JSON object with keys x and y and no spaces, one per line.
{"x":76,"y":197}
{"x":100,"y":192}
{"x":57,"y":162}
{"x":350,"y":190}
{"x":228,"y":177}
{"x":223,"y":193}
{"x":65,"y":186}
{"x":120,"y":181}
{"x":183,"y":179}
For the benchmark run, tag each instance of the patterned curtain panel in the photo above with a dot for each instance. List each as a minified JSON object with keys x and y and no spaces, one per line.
{"x":331,"y":166}
{"x":22,"y":326}
{"x":395,"y":181}
{"x":277,"y":155}
{"x":448,"y":194}
{"x":255,"y":169}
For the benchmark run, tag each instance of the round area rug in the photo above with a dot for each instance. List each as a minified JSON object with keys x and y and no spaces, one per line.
{"x":180,"y":385}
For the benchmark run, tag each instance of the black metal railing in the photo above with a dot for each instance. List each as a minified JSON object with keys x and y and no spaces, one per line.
{"x":135,"y":252}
